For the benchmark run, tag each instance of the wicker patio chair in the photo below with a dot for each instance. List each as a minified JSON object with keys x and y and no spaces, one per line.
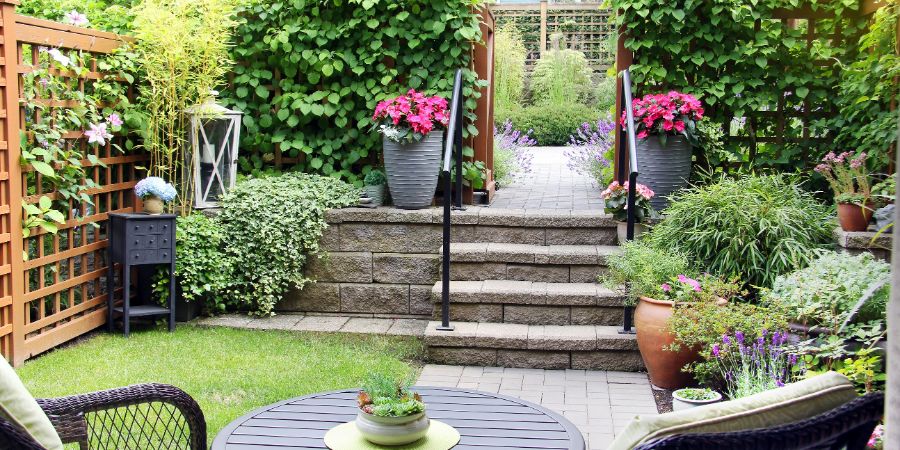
{"x":846,"y":427}
{"x":143,"y":416}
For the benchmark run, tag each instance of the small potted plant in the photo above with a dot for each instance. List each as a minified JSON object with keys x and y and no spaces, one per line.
{"x":848,"y":177}
{"x":154,"y":192}
{"x":615,"y":202}
{"x":374,"y":182}
{"x":412,"y":126}
{"x":692,"y":397}
{"x":390,"y":413}
{"x":665,"y":162}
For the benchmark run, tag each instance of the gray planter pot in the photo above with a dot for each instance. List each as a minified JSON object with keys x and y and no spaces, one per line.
{"x":663,"y":169}
{"x":413,"y":169}
{"x":376,"y":193}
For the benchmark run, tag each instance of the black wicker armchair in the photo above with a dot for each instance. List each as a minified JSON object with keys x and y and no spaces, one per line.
{"x":847,"y":427}
{"x":143,"y":416}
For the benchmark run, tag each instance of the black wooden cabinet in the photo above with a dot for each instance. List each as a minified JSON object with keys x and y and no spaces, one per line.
{"x":139,"y":241}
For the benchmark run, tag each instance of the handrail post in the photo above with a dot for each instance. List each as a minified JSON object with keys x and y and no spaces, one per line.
{"x":452,"y":147}
{"x":458,"y":144}
{"x":627,"y":136}
{"x":445,"y":272}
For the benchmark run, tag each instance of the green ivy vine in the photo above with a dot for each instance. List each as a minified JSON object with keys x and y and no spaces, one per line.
{"x":311,"y":73}
{"x":58,"y":110}
{"x":715,"y":50}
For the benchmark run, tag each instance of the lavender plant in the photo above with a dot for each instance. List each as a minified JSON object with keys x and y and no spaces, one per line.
{"x":750,"y":367}
{"x":589,"y":150}
{"x":511,"y":155}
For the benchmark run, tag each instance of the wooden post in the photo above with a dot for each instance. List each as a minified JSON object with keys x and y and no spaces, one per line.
{"x":12,"y":195}
{"x":483,"y":64}
{"x":543,"y":28}
{"x":624,"y":58}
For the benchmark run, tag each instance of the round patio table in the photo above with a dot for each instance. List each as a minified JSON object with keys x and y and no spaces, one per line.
{"x":484,"y":421}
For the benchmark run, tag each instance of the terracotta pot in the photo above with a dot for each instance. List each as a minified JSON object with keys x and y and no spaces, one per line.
{"x":153,"y":205}
{"x":653,"y":337}
{"x":854,"y":217}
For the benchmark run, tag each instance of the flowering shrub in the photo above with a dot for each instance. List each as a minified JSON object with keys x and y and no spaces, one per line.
{"x":847,"y":175}
{"x":408,"y":118}
{"x":615,"y":201}
{"x":589,"y":150}
{"x":641,"y":269}
{"x":666,"y":114}
{"x":511,"y":155}
{"x":750,"y":367}
{"x":155,"y":187}
{"x":705,"y":288}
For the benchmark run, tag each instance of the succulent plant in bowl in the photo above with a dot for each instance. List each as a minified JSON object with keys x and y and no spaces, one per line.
{"x":691,"y":397}
{"x":389,"y":412}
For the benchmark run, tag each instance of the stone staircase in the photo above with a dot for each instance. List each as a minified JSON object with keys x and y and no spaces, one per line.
{"x":523,"y":284}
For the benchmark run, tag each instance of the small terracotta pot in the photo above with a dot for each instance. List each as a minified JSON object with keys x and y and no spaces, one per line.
{"x":153,"y":205}
{"x":651,"y":319}
{"x":855,"y":217}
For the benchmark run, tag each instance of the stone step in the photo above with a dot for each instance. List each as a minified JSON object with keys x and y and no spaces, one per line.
{"x":527,"y":302}
{"x":533,"y":346}
{"x":525,"y":262}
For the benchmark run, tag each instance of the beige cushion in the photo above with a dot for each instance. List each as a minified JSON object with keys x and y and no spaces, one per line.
{"x":794,"y":402}
{"x":18,"y":406}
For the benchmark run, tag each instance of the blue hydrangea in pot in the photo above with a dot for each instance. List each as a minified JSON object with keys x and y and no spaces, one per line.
{"x":154,"y":192}
{"x":390,"y":413}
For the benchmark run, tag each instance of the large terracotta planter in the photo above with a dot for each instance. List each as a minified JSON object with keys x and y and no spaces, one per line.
{"x":653,"y":337}
{"x":854,"y":217}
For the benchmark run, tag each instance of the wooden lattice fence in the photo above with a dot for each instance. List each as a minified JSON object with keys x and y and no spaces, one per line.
{"x":58,"y":292}
{"x":587,"y":27}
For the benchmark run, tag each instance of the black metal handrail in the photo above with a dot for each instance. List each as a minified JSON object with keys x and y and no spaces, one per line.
{"x":453,"y":148}
{"x":627,"y":135}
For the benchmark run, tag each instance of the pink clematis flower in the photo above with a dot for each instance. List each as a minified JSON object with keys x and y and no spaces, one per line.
{"x":115,"y":120}
{"x":98,"y":134}
{"x":74,"y":17}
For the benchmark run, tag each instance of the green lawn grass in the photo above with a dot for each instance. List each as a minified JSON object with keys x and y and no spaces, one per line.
{"x":229,"y":372}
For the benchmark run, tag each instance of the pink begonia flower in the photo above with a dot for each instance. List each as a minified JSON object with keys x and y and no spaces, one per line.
{"x":679,"y":126}
{"x":666,"y":287}
{"x":76,"y":18}
{"x":643,"y":134}
{"x":115,"y":120}
{"x":98,"y":134}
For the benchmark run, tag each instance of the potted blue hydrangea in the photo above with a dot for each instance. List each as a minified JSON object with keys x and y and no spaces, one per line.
{"x":155,"y":193}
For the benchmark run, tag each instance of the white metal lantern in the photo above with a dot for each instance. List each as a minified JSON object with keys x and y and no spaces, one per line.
{"x":214,"y":135}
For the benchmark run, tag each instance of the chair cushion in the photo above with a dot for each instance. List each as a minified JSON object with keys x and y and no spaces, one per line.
{"x":791,"y":403}
{"x":17,"y":406}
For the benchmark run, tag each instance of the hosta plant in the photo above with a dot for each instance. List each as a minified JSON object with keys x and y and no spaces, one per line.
{"x":615,"y":201}
{"x":408,"y":118}
{"x":386,"y":396}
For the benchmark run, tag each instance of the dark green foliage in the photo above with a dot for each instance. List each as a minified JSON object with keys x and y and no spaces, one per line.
{"x":107,"y":15}
{"x":375,"y":178}
{"x":551,"y":125}
{"x":271,"y":226}
{"x":311,"y":73}
{"x":713,"y":49}
{"x":755,"y":227}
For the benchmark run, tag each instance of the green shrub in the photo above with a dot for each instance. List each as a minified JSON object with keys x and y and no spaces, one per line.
{"x":203,"y":269}
{"x":552,"y":125}
{"x":271,"y":226}
{"x":561,"y":78}
{"x":825,"y":292}
{"x":755,"y":227}
{"x":509,"y":67}
{"x":334,"y":61}
{"x":605,"y":94}
{"x":643,"y":269}
{"x":375,"y":177}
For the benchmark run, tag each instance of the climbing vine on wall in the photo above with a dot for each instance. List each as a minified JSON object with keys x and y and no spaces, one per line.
{"x":311,"y":72}
{"x":747,"y":65}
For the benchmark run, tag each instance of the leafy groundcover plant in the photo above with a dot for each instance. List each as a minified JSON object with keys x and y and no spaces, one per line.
{"x":696,"y":393}
{"x":755,"y":227}
{"x":272,"y":225}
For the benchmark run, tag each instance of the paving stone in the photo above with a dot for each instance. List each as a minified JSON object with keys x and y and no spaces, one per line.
{"x":227,"y":320}
{"x":276,"y":322}
{"x":572,"y":294}
{"x":321,"y":323}
{"x":468,"y":252}
{"x":504,"y":217}
{"x":408,"y":327}
{"x":510,"y":253}
{"x":405,"y":268}
{"x":509,"y":291}
{"x":570,"y":254}
{"x":367,"y":325}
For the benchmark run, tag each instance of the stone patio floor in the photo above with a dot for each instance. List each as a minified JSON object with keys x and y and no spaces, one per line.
{"x":599,"y":403}
{"x":550,"y":185}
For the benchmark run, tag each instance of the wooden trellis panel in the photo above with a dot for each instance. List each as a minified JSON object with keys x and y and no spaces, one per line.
{"x":58,"y":292}
{"x":587,"y":27}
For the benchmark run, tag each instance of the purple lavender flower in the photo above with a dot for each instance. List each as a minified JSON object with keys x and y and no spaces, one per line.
{"x":726,"y":339}
{"x":715,"y":350}
{"x":588,"y":146}
{"x":739,"y":336}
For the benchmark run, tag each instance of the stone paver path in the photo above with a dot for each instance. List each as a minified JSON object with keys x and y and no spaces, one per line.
{"x":320,"y":323}
{"x":550,"y":185}
{"x":599,"y":403}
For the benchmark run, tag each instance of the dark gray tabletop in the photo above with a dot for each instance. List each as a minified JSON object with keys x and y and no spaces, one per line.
{"x":484,"y":421}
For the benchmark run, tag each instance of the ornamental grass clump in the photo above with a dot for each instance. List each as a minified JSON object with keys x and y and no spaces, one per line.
{"x":753,"y":366}
{"x":755,"y":227}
